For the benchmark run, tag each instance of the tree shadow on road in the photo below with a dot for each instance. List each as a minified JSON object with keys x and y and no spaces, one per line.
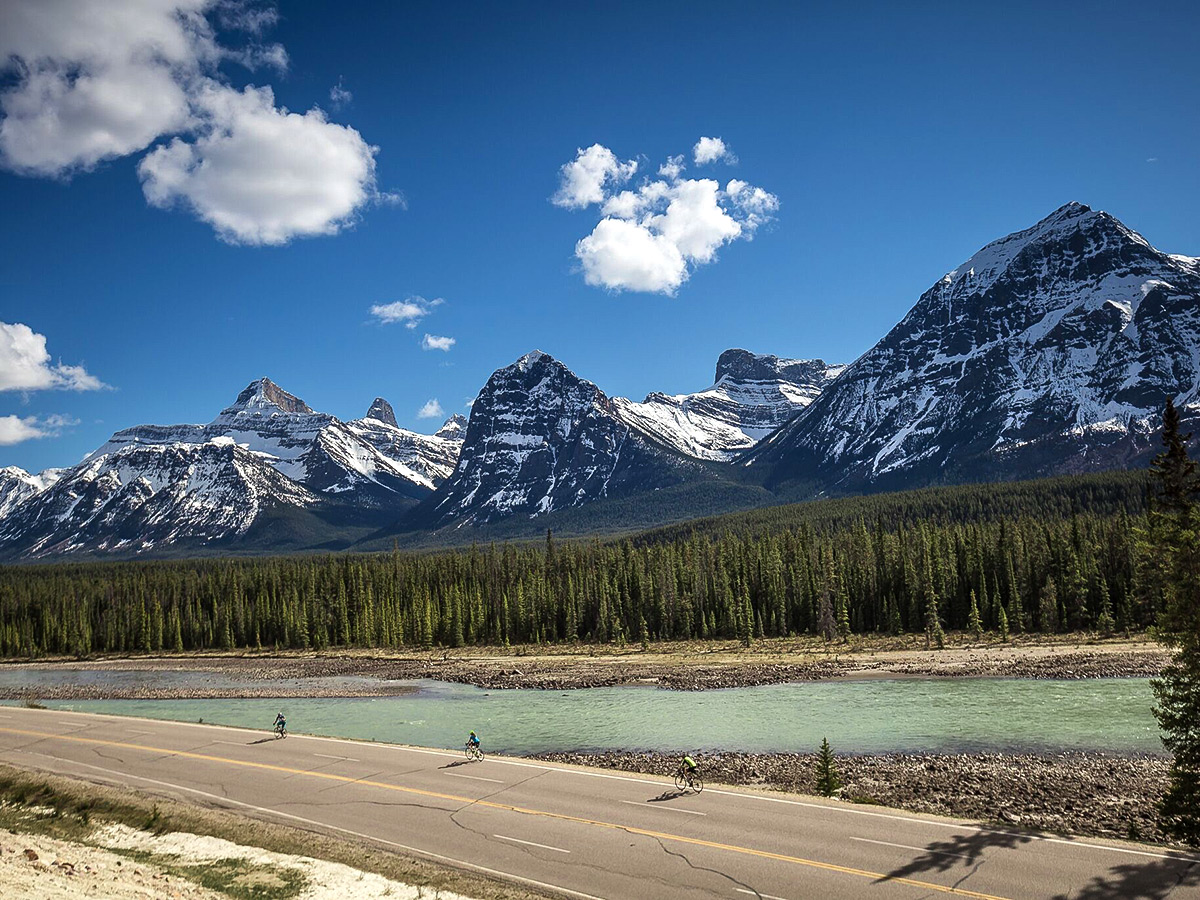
{"x":1140,"y":881}
{"x":963,"y":851}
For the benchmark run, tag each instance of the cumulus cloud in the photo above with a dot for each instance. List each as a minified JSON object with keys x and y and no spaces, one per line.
{"x":95,"y":81}
{"x":14,"y":430}
{"x":25,"y":364}
{"x":710,"y":149}
{"x":410,"y":311}
{"x":652,"y":238}
{"x":260,"y":174}
{"x":431,"y":410}
{"x":436,"y":342}
{"x":584,"y":179}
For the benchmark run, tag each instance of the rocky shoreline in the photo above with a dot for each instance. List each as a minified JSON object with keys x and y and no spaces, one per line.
{"x":359,"y":674}
{"x":1069,"y":793}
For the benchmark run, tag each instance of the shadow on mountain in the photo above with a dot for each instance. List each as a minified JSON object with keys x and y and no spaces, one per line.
{"x":963,"y":851}
{"x":1154,"y":880}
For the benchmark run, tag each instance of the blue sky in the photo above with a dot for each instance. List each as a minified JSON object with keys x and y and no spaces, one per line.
{"x":895,"y":140}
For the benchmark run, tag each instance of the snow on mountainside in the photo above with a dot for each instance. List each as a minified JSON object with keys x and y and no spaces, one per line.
{"x":139,"y":496}
{"x":17,"y":486}
{"x":539,"y":439}
{"x":751,"y":396}
{"x":428,"y":459}
{"x":152,"y":485}
{"x":1049,"y":351}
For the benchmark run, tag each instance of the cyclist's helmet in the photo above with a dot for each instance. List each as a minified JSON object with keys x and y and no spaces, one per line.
{"x":472,"y":734}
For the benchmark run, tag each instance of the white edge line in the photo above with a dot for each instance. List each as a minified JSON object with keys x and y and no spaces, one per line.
{"x":690,"y":812}
{"x":473,"y":777}
{"x":505,"y":837}
{"x":426,"y":853}
{"x":757,"y":894}
{"x":910,"y":847}
{"x":934,"y":823}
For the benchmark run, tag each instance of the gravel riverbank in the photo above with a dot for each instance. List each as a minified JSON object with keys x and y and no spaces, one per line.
{"x":688,"y":667}
{"x":1068,"y":793}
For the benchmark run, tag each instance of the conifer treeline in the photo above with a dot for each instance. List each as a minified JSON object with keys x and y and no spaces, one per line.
{"x":1009,"y":574}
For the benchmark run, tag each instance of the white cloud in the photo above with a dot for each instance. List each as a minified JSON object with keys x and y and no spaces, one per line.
{"x":709,"y":149}
{"x":94,"y":81}
{"x":339,"y":96}
{"x":652,"y":238}
{"x":25,"y":364}
{"x":14,"y":430}
{"x":431,"y":410}
{"x":260,"y":174}
{"x":410,"y":311}
{"x":672,"y":168}
{"x":625,"y":256}
{"x":583,"y":180}
{"x":436,"y":342}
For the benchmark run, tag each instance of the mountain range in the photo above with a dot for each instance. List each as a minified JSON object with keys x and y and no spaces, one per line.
{"x":1049,"y":351}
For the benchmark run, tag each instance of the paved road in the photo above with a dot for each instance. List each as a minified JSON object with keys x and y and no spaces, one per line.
{"x":586,"y":834}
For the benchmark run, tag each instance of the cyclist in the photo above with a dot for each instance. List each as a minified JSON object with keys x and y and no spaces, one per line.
{"x":280,"y":726}
{"x":473,"y":741}
{"x":689,"y":769}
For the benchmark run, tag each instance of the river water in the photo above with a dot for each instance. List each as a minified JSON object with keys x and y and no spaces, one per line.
{"x":878,"y":716}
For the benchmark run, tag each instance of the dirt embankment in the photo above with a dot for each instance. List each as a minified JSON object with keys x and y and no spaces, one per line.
{"x":696,"y":666}
{"x":1070,"y":793}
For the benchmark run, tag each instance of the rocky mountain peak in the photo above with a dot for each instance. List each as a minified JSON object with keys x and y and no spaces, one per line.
{"x":265,"y":395}
{"x":453,"y":428}
{"x":382,"y":411}
{"x":742,"y":365}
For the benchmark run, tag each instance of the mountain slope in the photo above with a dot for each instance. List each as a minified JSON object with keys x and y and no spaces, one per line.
{"x":540,"y":439}
{"x":427,"y":460}
{"x":751,"y":396}
{"x":141,"y":496}
{"x":1049,"y":351}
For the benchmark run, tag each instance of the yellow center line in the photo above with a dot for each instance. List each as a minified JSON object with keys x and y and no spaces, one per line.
{"x":492,"y":804}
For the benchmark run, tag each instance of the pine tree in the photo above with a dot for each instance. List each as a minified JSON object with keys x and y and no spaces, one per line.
{"x":1174,"y":542}
{"x":973,"y":624}
{"x":1002,"y":623}
{"x":828,"y":782}
{"x":826,"y":625}
{"x":1048,"y":607}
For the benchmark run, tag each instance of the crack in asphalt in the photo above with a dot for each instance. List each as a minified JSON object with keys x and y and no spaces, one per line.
{"x":698,"y":868}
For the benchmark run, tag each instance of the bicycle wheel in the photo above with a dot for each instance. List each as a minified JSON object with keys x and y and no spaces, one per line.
{"x":697,"y":784}
{"x":681,"y":782}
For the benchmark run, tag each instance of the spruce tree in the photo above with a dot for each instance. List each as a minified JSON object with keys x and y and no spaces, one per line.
{"x":826,"y":624}
{"x":1174,"y":533}
{"x":828,"y":782}
{"x":973,"y":624}
{"x":1002,"y":623}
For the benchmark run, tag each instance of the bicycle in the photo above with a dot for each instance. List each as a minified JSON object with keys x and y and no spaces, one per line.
{"x":280,"y":730}
{"x":474,"y":752}
{"x":688,"y":779}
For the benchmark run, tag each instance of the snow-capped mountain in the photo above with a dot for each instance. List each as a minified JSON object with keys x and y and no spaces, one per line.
{"x":752,"y":395}
{"x":139,"y":496}
{"x":428,"y":459}
{"x":17,"y":486}
{"x":540,"y":439}
{"x":153,"y":485}
{"x":1049,"y":351}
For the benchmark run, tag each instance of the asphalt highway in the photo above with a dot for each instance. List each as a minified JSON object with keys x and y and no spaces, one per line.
{"x":583,"y":833}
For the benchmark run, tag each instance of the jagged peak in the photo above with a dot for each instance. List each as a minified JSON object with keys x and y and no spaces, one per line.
{"x":383,"y":412}
{"x":991,"y":261}
{"x":263,"y":393}
{"x":744,"y":365}
{"x":453,"y":428}
{"x":531,"y":359}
